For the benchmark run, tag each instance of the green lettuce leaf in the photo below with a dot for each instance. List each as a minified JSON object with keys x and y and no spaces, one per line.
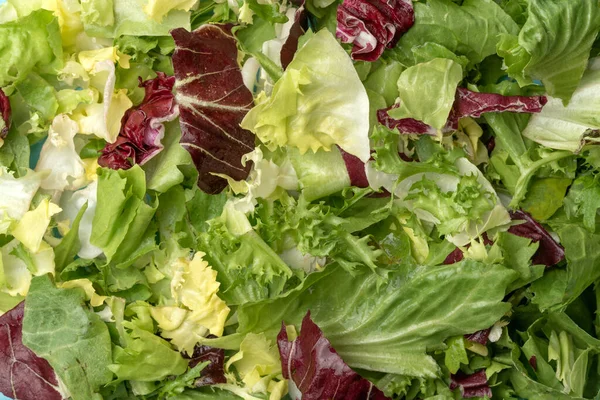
{"x":553,"y":46}
{"x":75,"y":341}
{"x":113,"y":18}
{"x":570,"y":127}
{"x":122,"y":223}
{"x":30,"y":43}
{"x":559,"y":288}
{"x":416,"y":310}
{"x":583,"y":200}
{"x":447,"y":30}
{"x":427,"y":91}
{"x":320,"y":77}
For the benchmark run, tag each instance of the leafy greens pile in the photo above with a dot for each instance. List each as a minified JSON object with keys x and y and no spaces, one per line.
{"x":243,"y":199}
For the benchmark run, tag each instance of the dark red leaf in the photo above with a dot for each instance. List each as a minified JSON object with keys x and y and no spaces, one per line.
{"x":466,"y":104}
{"x":214,"y":372}
{"x":142,"y":128}
{"x":5,"y":114}
{"x":290,"y":46}
{"x":533,"y":362}
{"x":549,"y":251}
{"x":23,"y":375}
{"x":212,"y":102}
{"x":317,"y":370}
{"x":474,"y":104}
{"x":474,"y":385}
{"x":356,"y":170}
{"x":480,"y":337}
{"x":373,"y":25}
{"x":406,"y":125}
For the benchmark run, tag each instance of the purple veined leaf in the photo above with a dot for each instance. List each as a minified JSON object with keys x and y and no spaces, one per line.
{"x":317,"y":370}
{"x":480,"y":337}
{"x":142,"y":129}
{"x":212,"y":100}
{"x":23,"y":375}
{"x":4,"y":114}
{"x":475,"y":385}
{"x":549,"y":252}
{"x":298,"y":29}
{"x":214,"y":372}
{"x":473,"y":104}
{"x":371,"y":26}
{"x":466,"y":104}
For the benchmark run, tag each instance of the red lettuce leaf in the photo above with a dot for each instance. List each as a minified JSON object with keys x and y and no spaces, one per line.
{"x":317,"y":370}
{"x":480,"y":337}
{"x":212,"y":102}
{"x":23,"y":375}
{"x":142,"y":128}
{"x":533,"y":362}
{"x":356,"y":170}
{"x":214,"y":372}
{"x":474,"y":385}
{"x":298,"y":29}
{"x":474,"y":104}
{"x":549,"y":252}
{"x":466,"y":104}
{"x":457,"y":254}
{"x":404,"y":126}
{"x":5,"y":114}
{"x":373,"y":25}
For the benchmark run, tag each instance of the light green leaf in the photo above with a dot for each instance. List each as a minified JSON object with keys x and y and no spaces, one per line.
{"x":554,"y":45}
{"x":320,"y":77}
{"x":427,"y":91}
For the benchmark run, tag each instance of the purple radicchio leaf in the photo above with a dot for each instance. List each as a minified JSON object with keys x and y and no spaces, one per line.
{"x":317,"y":370}
{"x":373,"y":25}
{"x":533,"y":362}
{"x":212,"y":100}
{"x":473,"y":104}
{"x":467,"y":103}
{"x":4,"y":114}
{"x":356,"y":170}
{"x":142,"y":128}
{"x":480,"y":337}
{"x":298,"y":29}
{"x":214,"y":372}
{"x":474,"y":385}
{"x":23,"y":375}
{"x":549,"y":251}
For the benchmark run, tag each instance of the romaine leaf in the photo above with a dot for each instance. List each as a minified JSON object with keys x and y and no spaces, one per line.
{"x":311,"y":355}
{"x":583,"y":200}
{"x":142,"y":130}
{"x":416,"y":309}
{"x":553,"y":46}
{"x":75,"y":341}
{"x":22,"y":373}
{"x":373,"y":26}
{"x":312,"y":82}
{"x":212,"y":102}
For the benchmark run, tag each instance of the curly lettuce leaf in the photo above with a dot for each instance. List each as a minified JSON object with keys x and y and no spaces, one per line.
{"x":320,"y":77}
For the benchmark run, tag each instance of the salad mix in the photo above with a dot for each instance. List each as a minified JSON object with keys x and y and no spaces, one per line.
{"x":285,"y":199}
